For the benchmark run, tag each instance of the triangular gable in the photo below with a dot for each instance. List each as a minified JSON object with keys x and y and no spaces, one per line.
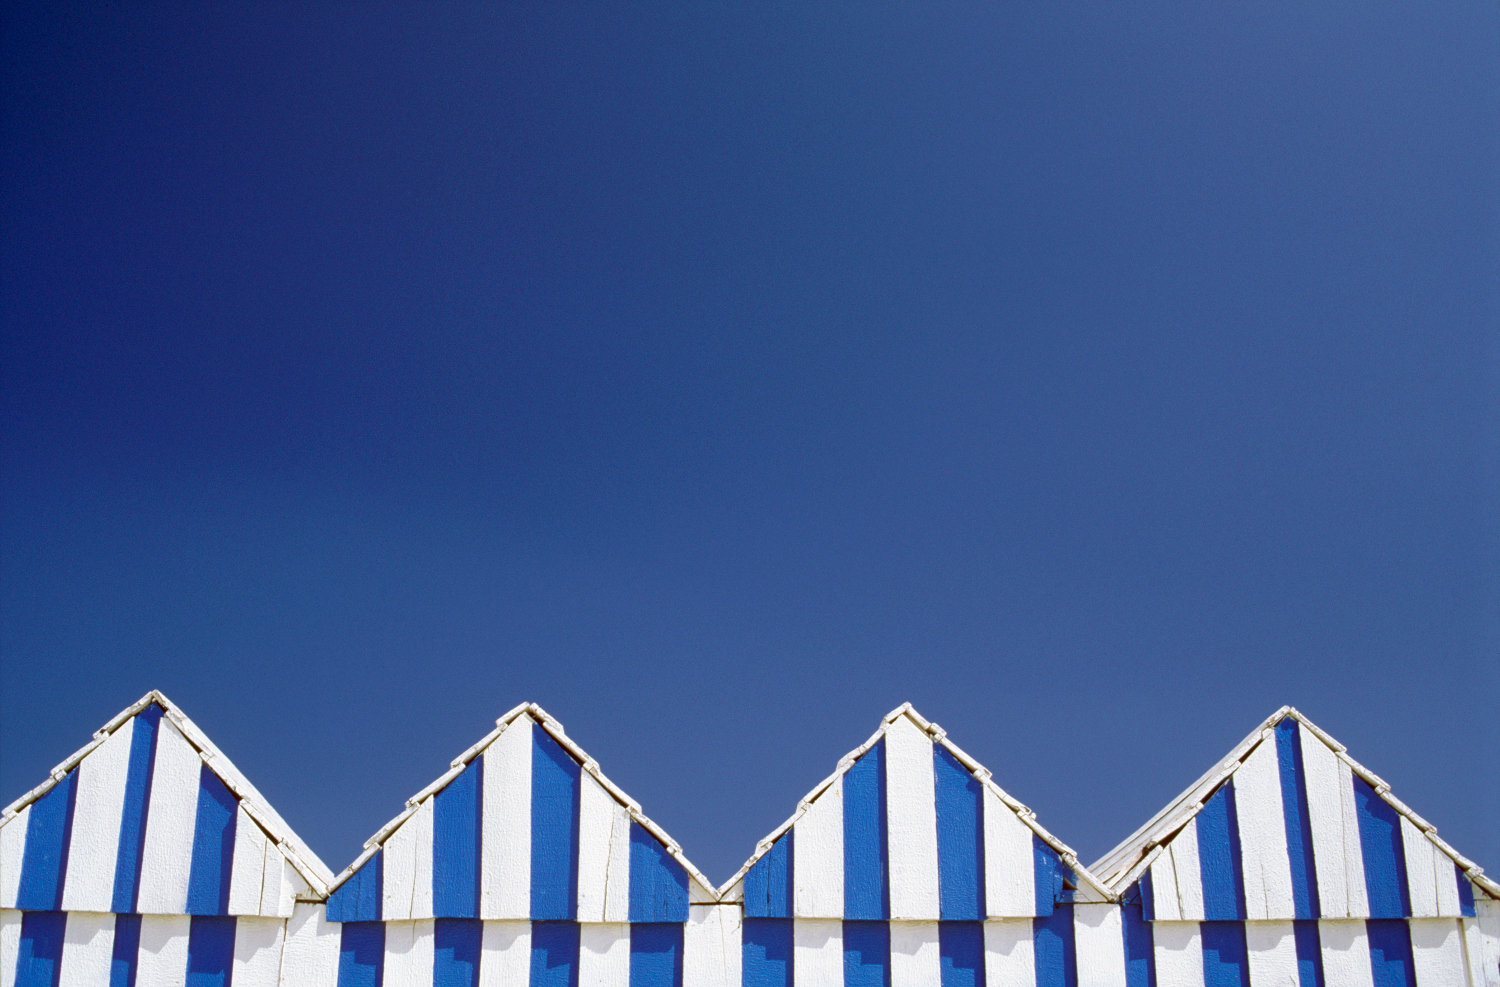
{"x":908,"y":826}
{"x":523,"y":825}
{"x":1289,"y":826}
{"x":151,"y":817}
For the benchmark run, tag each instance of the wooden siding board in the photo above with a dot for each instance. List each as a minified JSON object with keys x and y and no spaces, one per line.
{"x":1098,"y":935}
{"x":1009,"y":871}
{"x":247,"y":875}
{"x":1438,"y":952}
{"x":12,"y":852}
{"x":1179,"y":954}
{"x":1009,"y":953}
{"x":1272,"y":954}
{"x":311,"y":955}
{"x":88,"y":947}
{"x":162,"y":960}
{"x":1262,"y":831}
{"x":911,"y":822}
{"x":257,"y":951}
{"x":1346,"y":953}
{"x":818,"y":870}
{"x":711,"y":947}
{"x":818,"y":952}
{"x":1421,"y":873}
{"x":505,"y":884}
{"x":505,"y":954}
{"x":171,"y":811}
{"x":95,"y":843}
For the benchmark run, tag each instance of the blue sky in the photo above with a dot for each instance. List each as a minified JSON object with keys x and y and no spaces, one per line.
{"x":1097,"y":377}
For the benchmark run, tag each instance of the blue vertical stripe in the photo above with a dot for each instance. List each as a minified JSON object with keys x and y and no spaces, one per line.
{"x":656,"y":954}
{"x":658,"y":883}
{"x":1052,"y":940}
{"x":766,"y":952}
{"x":768,"y":882}
{"x":127,"y":946}
{"x":961,"y":954}
{"x":1140,"y":952}
{"x":1226,"y":961}
{"x":210,"y":961}
{"x":1384,"y":856}
{"x":867,"y":890}
{"x":1219,"y":857}
{"x":359,"y":899}
{"x":554,"y":829}
{"x":39,"y":958}
{"x":361,"y":954}
{"x":867,"y":954}
{"x":554,"y":953}
{"x":960,"y":838}
{"x":1390,"y":953}
{"x":1295,"y":813}
{"x":1047,"y":871}
{"x":133,"y":815}
{"x":49,"y":830}
{"x":1148,"y":896}
{"x":457,"y":813}
{"x":1309,"y":953}
{"x":1465,"y":893}
{"x":455,"y":952}
{"x":213,"y":846}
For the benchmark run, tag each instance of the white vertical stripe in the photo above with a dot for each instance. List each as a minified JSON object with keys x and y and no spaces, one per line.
{"x":1474,"y":965}
{"x":1354,"y":858}
{"x":603,"y":855}
{"x":1009,"y":952}
{"x":1165,"y":904}
{"x":1325,"y":811}
{"x":292,"y":884}
{"x":1419,"y":850}
{"x":170,"y":816}
{"x":617,"y":900}
{"x":1346,"y":953}
{"x":88,"y":942}
{"x":95,"y":843}
{"x":505,"y":954}
{"x":505,"y":862}
{"x":10,"y":945}
{"x":1272,"y":948}
{"x":1188,"y":871}
{"x":1098,"y":936}
{"x":162,"y":959}
{"x":421,"y":881}
{"x":818,"y":856}
{"x":1009,"y":862}
{"x":711,"y":947}
{"x":311,"y":956}
{"x":603,"y":954}
{"x":257,"y":951}
{"x":1486,"y":929}
{"x":817,"y":952}
{"x":1445,"y":884}
{"x":916,"y":960}
{"x":1438,"y":952}
{"x":270,"y":881}
{"x":408,"y":953}
{"x":911,"y":821}
{"x":1179,"y":954}
{"x":12,"y":852}
{"x":398,"y":870}
{"x":1262,"y":829}
{"x":247,"y":878}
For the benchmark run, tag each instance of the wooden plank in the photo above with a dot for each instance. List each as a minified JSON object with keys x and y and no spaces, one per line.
{"x":10,"y":945}
{"x":866,"y":873}
{"x":43,"y":866}
{"x":1098,"y":936}
{"x":88,"y":943}
{"x":247,"y":875}
{"x":1009,"y":956}
{"x":711,"y":947}
{"x":292,"y":885}
{"x":817,"y":952}
{"x":257,"y":951}
{"x":271,"y":866}
{"x":456,"y":840}
{"x":1354,"y":859}
{"x":916,"y":954}
{"x":95,"y":842}
{"x":1272,"y":951}
{"x":1421,"y":874}
{"x":1438,"y":952}
{"x":1346,"y":953}
{"x":1325,"y":809}
{"x":1445,"y":878}
{"x":505,"y":874}
{"x":604,"y":954}
{"x":1485,"y":928}
{"x":617,"y":894}
{"x":421,"y":881}
{"x":167,"y":856}
{"x":1262,"y":827}
{"x":818,"y":867}
{"x":1179,"y":954}
{"x":408,"y":953}
{"x":1166,"y":905}
{"x":505,"y":954}
{"x":162,"y":960}
{"x":311,"y":955}
{"x":555,"y":784}
{"x":1009,"y":871}
{"x":1188,"y":872}
{"x":398,"y":861}
{"x":911,"y":822}
{"x":596,"y":825}
{"x":960,"y":838}
{"x":12,"y":852}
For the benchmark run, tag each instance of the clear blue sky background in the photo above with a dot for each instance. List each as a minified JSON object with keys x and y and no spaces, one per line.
{"x":1097,"y":376}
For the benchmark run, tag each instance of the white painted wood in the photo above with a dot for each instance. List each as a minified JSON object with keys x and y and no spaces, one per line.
{"x":911,"y":822}
{"x":817,"y":952}
{"x":711,"y":945}
{"x":421,"y":882}
{"x":257,"y":951}
{"x":88,"y":941}
{"x":171,"y":812}
{"x":1009,"y":951}
{"x":1420,"y":873}
{"x":1484,"y":932}
{"x":408,"y":953}
{"x":505,"y":862}
{"x":1354,"y":858}
{"x":1325,"y":810}
{"x":270,"y":882}
{"x":12,"y":852}
{"x":1272,"y":948}
{"x":603,"y":954}
{"x":247,"y":878}
{"x":1437,"y":948}
{"x":162,"y":960}
{"x":603,"y":855}
{"x":617,"y":896}
{"x":1009,"y":865}
{"x":10,"y":945}
{"x":505,"y":954}
{"x":1178,"y":948}
{"x":398,"y":871}
{"x":1165,"y":902}
{"x":916,"y":959}
{"x":311,"y":955}
{"x":1098,"y":937}
{"x":292,"y":884}
{"x":1346,"y":952}
{"x":1262,"y":829}
{"x":818,"y":852}
{"x":1188,"y":871}
{"x":95,"y":842}
{"x":1445,"y":884}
